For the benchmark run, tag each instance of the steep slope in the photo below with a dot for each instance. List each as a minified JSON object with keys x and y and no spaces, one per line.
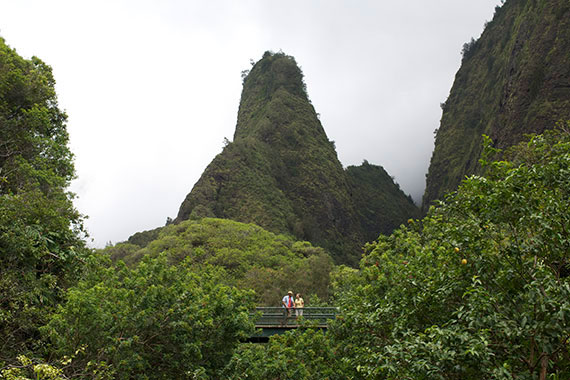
{"x":380,"y":203}
{"x":281,"y":171}
{"x":513,"y":81}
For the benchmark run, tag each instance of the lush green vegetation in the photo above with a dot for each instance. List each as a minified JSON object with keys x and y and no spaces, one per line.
{"x":67,"y":312}
{"x":41,"y":233}
{"x":478,"y":289}
{"x":379,"y":202}
{"x":281,"y":172}
{"x":252,"y":257}
{"x":301,"y":354}
{"x":513,"y":81}
{"x":155,"y":321}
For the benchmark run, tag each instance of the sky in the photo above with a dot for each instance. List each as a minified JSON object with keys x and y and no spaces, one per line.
{"x":152,"y":87}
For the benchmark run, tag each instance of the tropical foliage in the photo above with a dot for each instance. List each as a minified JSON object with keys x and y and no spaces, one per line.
{"x":301,"y":354}
{"x":477,"y":289}
{"x":156,"y":321}
{"x":41,"y":234}
{"x":253,"y":258}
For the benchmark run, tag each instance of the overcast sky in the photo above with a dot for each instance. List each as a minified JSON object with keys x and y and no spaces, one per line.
{"x":152,"y":87}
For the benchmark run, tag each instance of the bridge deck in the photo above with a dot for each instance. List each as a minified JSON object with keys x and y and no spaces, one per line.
{"x":276,"y":320}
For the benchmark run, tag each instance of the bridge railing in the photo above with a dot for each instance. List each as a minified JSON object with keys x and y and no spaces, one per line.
{"x":279,"y":317}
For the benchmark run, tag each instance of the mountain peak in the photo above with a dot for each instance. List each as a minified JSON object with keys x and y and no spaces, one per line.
{"x":282,"y":173}
{"x":275,"y":73}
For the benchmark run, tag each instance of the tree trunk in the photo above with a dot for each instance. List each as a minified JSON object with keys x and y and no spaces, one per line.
{"x":543,"y":366}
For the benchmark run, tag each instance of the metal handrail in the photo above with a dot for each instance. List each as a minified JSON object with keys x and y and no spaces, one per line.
{"x":280,"y":317}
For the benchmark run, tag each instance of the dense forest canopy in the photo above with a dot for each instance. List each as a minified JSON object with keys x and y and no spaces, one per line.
{"x":251,"y":257}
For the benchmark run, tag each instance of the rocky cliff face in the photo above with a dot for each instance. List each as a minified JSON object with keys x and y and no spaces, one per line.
{"x":281,"y":171}
{"x":513,"y":81}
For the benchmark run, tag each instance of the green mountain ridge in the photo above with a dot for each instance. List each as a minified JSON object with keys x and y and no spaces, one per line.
{"x":514,"y":80}
{"x":252,"y":257}
{"x":282,"y":172}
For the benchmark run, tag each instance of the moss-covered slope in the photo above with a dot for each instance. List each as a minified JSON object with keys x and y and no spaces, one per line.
{"x":514,"y":80}
{"x":281,"y":171}
{"x":380,"y":203}
{"x":252,"y":257}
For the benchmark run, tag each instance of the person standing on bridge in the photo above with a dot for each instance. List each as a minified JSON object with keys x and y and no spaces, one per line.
{"x":299,"y":305}
{"x":288,"y":302}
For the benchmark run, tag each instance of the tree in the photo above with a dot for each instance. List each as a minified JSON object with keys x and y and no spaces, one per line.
{"x":156,"y":321}
{"x":468,"y":48}
{"x":301,"y":354}
{"x":477,"y":289}
{"x":41,"y":234}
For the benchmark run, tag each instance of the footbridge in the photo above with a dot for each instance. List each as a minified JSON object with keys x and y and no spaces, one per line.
{"x":278,"y":320}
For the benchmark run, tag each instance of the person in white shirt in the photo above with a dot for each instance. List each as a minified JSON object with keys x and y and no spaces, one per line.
{"x":288,"y":302}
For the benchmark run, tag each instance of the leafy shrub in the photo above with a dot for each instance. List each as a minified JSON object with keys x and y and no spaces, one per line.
{"x":301,"y":354}
{"x":157,"y":321}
